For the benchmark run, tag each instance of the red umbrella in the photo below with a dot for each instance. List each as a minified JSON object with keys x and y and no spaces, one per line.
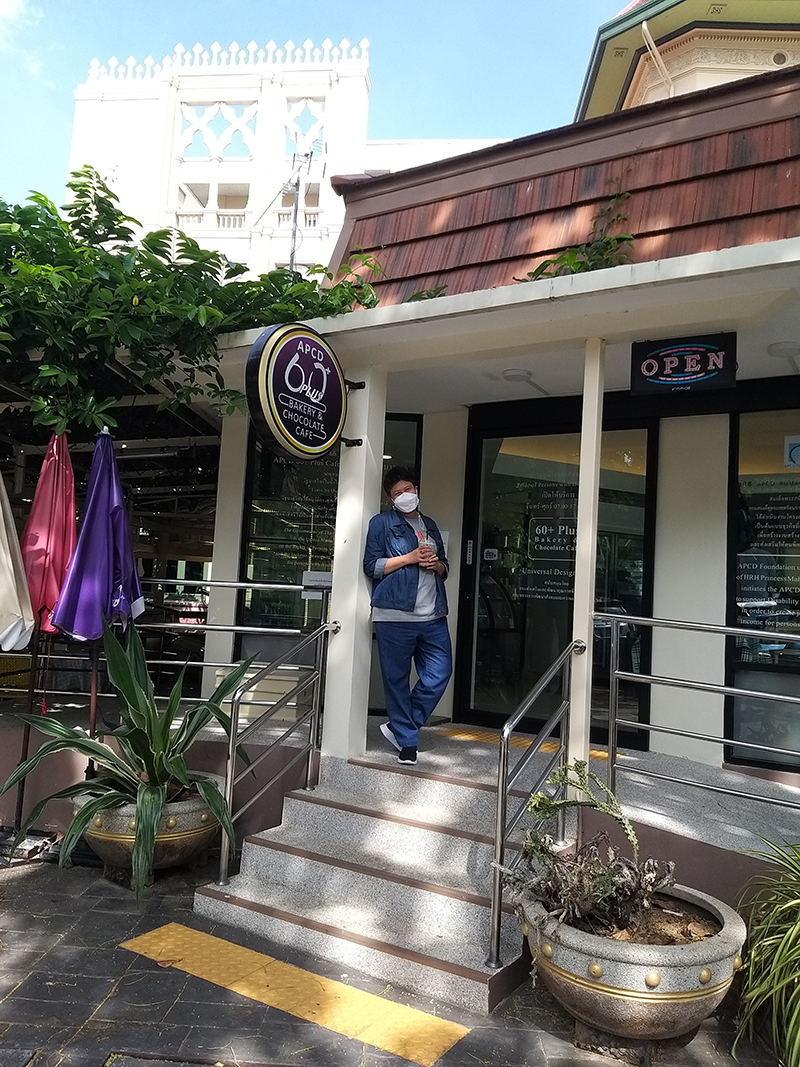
{"x":48,"y":540}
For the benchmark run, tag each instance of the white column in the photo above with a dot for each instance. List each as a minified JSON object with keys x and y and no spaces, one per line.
{"x":690,"y":580}
{"x":227,"y":540}
{"x":444,"y":454}
{"x":347,"y":689}
{"x":586,"y":547}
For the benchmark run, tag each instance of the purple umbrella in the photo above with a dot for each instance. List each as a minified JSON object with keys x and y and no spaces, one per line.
{"x":102,"y":581}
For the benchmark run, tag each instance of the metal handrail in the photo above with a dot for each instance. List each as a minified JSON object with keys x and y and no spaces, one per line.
{"x":313,"y":718}
{"x":616,"y":675}
{"x":503,"y":828}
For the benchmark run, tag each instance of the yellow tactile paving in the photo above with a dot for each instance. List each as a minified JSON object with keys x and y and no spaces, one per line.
{"x":474,"y":733}
{"x":198,"y":954}
{"x":394,"y":1028}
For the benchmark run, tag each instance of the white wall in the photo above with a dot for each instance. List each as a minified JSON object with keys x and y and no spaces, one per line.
{"x":690,"y":578}
{"x":444,"y":447}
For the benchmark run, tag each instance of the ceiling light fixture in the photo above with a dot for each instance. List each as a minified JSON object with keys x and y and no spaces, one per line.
{"x":520,"y":374}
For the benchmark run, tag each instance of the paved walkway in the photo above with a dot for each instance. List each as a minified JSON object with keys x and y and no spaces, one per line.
{"x":71,"y":997}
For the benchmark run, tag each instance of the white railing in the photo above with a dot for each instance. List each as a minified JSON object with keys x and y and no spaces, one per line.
{"x":230,"y":220}
{"x":214,"y":220}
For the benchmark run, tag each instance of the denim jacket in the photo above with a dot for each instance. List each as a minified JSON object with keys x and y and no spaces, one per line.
{"x":390,"y":535}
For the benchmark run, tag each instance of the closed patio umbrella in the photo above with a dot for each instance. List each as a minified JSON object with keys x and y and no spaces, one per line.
{"x":48,"y":540}
{"x":102,"y":581}
{"x":16,"y":614}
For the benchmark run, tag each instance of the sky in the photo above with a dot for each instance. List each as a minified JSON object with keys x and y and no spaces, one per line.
{"x":448,"y":68}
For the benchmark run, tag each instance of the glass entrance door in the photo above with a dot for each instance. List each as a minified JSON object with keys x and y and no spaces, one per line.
{"x":525,"y":564}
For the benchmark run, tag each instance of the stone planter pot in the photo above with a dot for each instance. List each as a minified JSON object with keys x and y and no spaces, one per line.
{"x":186,"y":828}
{"x":649,"y":992}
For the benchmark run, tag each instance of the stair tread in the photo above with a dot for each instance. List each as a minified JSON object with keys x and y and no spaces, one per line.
{"x":377,"y":858}
{"x":372,"y":926}
{"x":435,"y":816}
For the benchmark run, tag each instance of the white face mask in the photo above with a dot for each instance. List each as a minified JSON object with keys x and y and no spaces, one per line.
{"x":406,"y":502}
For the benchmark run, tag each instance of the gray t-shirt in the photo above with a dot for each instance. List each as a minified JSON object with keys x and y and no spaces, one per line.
{"x":425,"y":604}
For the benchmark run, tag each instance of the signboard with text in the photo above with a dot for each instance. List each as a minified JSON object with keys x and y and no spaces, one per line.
{"x":683,"y":364}
{"x":296,"y":391}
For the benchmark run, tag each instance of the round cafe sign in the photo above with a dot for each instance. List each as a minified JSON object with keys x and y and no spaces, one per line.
{"x":296,"y":390}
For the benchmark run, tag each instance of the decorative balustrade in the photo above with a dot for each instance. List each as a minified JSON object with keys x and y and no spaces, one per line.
{"x":230,"y":220}
{"x":199,"y":60}
{"x":307,"y":219}
{"x":220,"y":220}
{"x":183,"y":219}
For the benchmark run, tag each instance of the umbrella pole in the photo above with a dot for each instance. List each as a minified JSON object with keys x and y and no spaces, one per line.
{"x":26,"y":732}
{"x":95,"y":660}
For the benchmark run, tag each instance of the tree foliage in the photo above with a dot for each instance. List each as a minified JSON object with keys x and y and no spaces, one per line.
{"x":79,"y":296}
{"x":601,"y":249}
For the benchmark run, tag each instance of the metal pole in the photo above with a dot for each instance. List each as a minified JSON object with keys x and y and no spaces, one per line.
{"x":318,"y":697}
{"x":496,"y":913}
{"x":561,"y":818}
{"x":26,"y":732}
{"x":230,"y":775}
{"x":293,"y":246}
{"x":613,"y":705}
{"x":95,"y":661}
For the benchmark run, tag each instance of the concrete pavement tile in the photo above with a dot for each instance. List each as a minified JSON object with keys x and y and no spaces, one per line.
{"x":99,"y":1038}
{"x":9,"y":980}
{"x":203,"y":1042}
{"x":242,"y":1014}
{"x":16,"y":1057}
{"x":17,"y":922}
{"x":108,"y":932}
{"x":74,"y":959}
{"x":494,"y":1047}
{"x":22,"y":1034}
{"x":54,"y":987}
{"x":144,"y":997}
{"x":56,"y":1014}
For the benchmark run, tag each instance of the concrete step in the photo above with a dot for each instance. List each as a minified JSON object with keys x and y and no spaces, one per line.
{"x":400,"y":825}
{"x":295,"y":858}
{"x":423,"y":795}
{"x":422,"y":957}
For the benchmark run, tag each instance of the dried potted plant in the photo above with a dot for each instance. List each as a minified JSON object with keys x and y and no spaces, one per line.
{"x":619,"y":945}
{"x":144,"y":808}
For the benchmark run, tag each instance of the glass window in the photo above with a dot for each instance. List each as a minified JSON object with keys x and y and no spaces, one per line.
{"x":767,"y":535}
{"x":290,"y":524}
{"x":526,"y":563}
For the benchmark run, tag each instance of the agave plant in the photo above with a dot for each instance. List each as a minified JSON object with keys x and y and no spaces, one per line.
{"x":770,"y":994}
{"x":148,"y":765}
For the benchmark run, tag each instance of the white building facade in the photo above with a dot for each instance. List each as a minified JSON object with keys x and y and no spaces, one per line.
{"x":236,"y":146}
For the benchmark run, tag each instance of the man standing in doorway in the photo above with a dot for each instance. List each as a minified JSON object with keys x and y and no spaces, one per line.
{"x":406,"y":561}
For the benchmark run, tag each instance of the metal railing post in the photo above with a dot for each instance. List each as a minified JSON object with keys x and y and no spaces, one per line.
{"x":318,"y":697}
{"x":566,"y":681}
{"x":613,"y":705}
{"x":230,"y":775}
{"x":493,"y":960}
{"x":502,"y":828}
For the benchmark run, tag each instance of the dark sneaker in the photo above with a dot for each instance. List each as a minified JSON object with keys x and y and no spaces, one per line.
{"x":387,"y":733}
{"x":407,"y":755}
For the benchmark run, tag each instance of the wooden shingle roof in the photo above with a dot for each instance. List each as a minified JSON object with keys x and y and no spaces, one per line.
{"x":705,"y":171}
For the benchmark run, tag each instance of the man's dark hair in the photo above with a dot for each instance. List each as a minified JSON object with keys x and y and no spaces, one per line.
{"x":395,"y":475}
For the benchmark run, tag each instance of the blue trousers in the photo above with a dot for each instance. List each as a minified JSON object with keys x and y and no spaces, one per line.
{"x":427,"y":646}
